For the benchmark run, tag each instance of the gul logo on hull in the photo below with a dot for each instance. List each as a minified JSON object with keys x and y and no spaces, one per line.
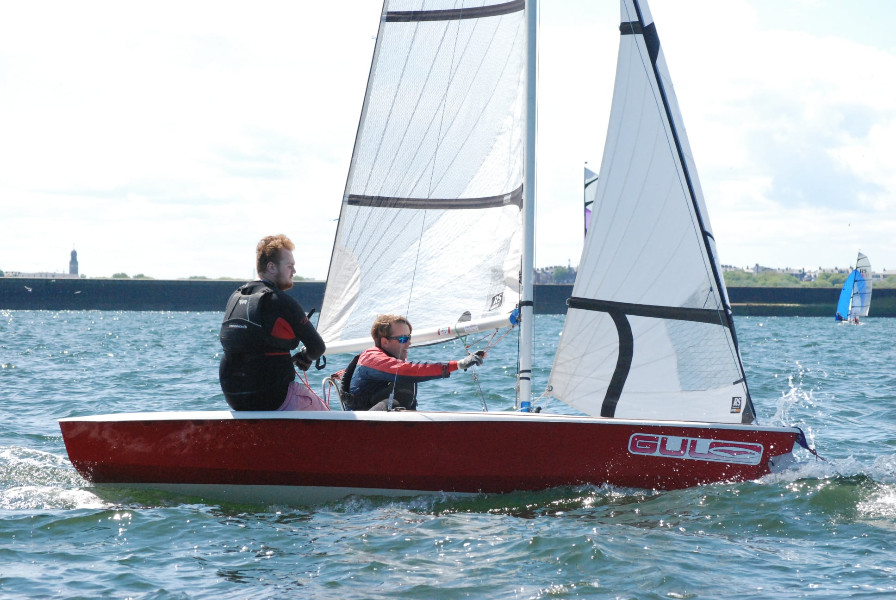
{"x":668,"y":446}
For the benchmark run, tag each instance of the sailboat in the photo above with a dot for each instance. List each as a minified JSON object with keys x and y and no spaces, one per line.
{"x":855,"y":297}
{"x":437,"y":223}
{"x":590,"y":194}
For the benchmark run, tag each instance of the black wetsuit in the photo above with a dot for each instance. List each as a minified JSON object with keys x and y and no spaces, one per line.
{"x":257,"y":367}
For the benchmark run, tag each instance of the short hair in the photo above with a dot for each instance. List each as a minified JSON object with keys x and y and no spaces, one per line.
{"x":269,"y":250}
{"x":382,"y":327}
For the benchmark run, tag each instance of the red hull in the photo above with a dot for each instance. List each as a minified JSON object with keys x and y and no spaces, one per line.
{"x":414,"y":452}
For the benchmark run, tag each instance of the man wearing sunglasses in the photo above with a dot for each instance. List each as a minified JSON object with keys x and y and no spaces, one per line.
{"x":383,"y":379}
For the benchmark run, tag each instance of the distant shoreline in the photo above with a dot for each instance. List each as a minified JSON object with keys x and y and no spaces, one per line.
{"x":20,"y":293}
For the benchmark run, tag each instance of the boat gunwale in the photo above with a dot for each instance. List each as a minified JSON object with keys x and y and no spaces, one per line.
{"x":412,"y":417}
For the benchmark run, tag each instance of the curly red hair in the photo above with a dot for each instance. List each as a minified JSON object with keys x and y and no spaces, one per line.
{"x":269,"y":249}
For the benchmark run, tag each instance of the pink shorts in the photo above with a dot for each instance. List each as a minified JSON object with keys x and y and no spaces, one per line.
{"x":300,"y":397}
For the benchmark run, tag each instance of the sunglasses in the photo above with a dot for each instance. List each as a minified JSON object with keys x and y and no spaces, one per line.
{"x":401,"y":339}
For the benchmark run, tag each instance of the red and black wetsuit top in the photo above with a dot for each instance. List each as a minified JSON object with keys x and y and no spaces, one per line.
{"x":261,"y":325}
{"x":377,"y":372}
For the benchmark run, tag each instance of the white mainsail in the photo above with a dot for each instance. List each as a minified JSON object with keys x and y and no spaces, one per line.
{"x":430,"y":225}
{"x":649,"y":332}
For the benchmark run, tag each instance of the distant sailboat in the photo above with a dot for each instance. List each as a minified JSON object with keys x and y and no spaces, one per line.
{"x":855,"y":297}
{"x":590,"y":195}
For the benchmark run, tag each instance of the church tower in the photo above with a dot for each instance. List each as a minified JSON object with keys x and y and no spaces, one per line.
{"x":73,"y":264}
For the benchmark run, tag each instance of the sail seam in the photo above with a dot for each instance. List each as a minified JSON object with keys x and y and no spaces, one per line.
{"x":454,"y":14}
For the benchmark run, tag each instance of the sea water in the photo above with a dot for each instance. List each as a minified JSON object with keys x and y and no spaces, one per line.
{"x":825,"y":529}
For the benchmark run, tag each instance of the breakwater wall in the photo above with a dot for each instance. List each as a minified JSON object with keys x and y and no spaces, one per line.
{"x":207,"y":295}
{"x":802,"y":302}
{"x":132,"y":294}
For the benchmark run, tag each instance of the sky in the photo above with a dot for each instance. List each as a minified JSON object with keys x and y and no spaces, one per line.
{"x":166,"y":138}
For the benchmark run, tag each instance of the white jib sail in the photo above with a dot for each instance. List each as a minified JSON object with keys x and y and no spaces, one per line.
{"x":430,"y":225}
{"x":647,"y":334}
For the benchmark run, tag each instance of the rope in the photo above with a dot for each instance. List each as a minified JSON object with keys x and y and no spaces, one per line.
{"x":303,"y":377}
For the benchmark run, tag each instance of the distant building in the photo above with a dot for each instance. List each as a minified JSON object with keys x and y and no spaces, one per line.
{"x":73,"y":264}
{"x":757,"y":269}
{"x":40,"y":275}
{"x":72,"y":271}
{"x":555,"y":274}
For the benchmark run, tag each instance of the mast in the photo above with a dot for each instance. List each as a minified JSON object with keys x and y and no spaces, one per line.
{"x":524,"y":383}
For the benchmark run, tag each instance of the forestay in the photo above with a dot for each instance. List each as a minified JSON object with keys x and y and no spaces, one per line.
{"x":649,"y":332}
{"x":430,"y":225}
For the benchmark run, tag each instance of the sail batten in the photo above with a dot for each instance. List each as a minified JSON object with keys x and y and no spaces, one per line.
{"x":515,"y":197}
{"x":675,"y":313}
{"x":451,"y":14}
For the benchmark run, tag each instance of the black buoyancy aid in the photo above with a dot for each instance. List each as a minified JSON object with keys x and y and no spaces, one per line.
{"x":346,"y":383}
{"x":242,"y":330}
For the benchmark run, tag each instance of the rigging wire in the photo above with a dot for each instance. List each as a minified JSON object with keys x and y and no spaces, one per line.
{"x":488,"y":346}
